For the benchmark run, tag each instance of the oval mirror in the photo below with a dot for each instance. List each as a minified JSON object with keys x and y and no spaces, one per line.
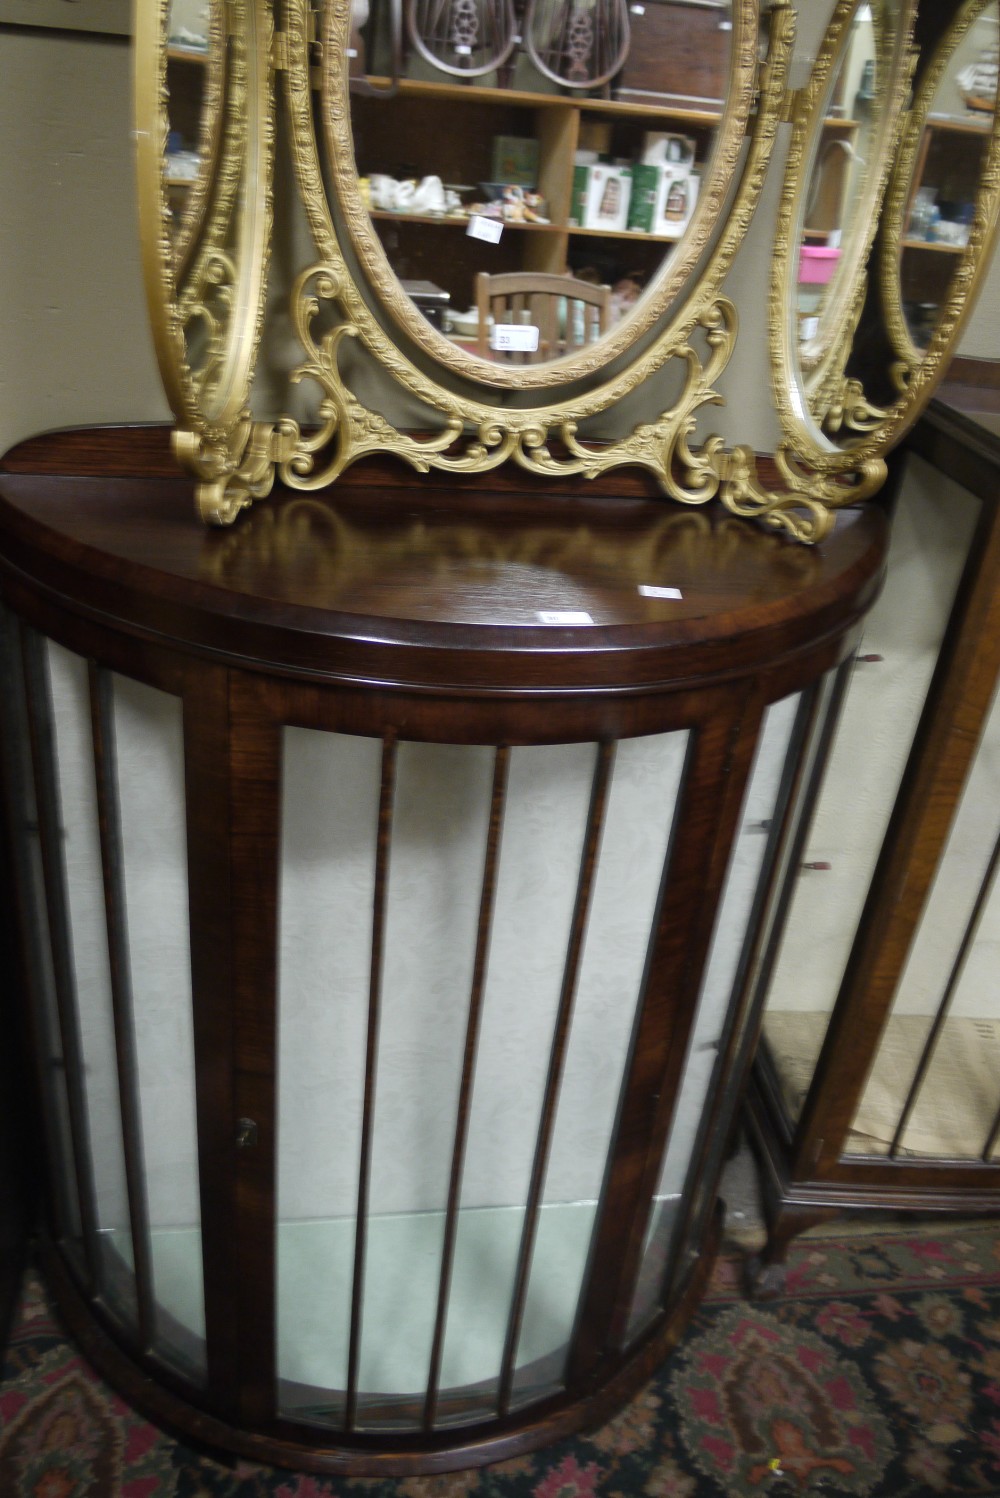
{"x":838,"y":169}
{"x":858,"y":353}
{"x":939,"y":200}
{"x":204,"y":249}
{"x":523,"y":205}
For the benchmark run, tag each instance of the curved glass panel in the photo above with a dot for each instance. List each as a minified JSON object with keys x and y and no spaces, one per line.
{"x":889,"y":684}
{"x":680,"y":1198}
{"x":435,"y":1278}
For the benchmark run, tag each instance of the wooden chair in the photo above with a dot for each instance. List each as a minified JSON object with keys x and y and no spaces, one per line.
{"x":567,"y":313}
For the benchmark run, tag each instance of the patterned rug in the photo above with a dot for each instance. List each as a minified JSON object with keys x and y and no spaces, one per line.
{"x":877,"y":1372}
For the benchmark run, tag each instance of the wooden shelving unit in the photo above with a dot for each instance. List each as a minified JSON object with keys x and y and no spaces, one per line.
{"x":447,"y":130}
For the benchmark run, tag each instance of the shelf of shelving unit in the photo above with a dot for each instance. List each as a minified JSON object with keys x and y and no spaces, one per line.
{"x":933,"y":246}
{"x":630,"y":236}
{"x":187,"y":54}
{"x":471,"y":93}
{"x":959,"y":127}
{"x":840,"y":122}
{"x":454,"y":221}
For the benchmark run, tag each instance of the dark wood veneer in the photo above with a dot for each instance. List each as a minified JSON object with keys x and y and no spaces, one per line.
{"x":403,"y":609}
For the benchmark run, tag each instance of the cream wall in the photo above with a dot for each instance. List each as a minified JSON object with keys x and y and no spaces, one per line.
{"x":74,"y":346}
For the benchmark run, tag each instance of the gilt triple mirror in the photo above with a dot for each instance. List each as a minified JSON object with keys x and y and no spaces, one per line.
{"x":522,"y":219}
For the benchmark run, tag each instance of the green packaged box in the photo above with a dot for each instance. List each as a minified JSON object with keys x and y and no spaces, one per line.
{"x":578,"y":200}
{"x":645,"y":189}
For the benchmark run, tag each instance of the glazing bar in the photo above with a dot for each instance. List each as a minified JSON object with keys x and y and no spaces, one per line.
{"x":382,"y":850}
{"x":122,"y":1002}
{"x":991,"y":1140}
{"x":951,"y":988}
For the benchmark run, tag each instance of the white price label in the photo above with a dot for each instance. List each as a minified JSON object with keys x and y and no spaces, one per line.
{"x":489,"y":229}
{"x":648,"y":590}
{"x":514,"y":338}
{"x":563,"y":616}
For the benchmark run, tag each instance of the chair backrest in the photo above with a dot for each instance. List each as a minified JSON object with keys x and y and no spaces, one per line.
{"x":567,"y":313}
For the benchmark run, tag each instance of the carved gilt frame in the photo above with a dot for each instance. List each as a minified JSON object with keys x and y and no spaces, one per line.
{"x":836,"y":405}
{"x":478,"y":435}
{"x":813,"y":394}
{"x":217,"y":288}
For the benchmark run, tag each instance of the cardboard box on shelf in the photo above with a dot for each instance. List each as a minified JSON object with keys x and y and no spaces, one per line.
{"x":601,"y":196}
{"x":676,"y":201}
{"x":646,"y":181}
{"x":515,"y":160}
{"x":661,"y":148}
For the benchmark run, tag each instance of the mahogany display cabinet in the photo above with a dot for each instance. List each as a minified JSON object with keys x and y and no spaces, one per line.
{"x":392,"y":875}
{"x":877,"y":1083}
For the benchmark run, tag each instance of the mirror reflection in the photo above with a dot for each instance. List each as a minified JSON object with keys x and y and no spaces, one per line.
{"x":942,"y":192}
{"x":194,"y":62}
{"x":837,"y":211}
{"x":528,"y":182}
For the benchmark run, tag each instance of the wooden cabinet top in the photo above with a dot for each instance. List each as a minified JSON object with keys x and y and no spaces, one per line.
{"x":392,"y":580}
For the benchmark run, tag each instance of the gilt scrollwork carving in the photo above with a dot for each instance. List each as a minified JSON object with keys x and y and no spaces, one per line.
{"x":207,"y":299}
{"x":814,"y":396}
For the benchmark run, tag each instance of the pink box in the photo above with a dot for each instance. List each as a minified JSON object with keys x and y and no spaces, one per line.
{"x":817,"y":264}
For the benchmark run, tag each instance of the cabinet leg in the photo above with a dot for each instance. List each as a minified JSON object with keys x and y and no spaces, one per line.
{"x":765,"y":1273}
